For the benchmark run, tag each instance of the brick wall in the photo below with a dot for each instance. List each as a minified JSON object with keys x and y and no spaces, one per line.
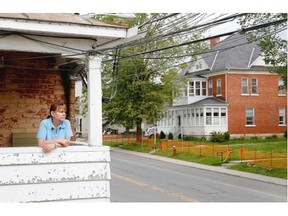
{"x":27,"y":92}
{"x":266,"y":105}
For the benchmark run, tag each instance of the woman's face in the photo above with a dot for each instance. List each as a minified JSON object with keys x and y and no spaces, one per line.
{"x":59,"y":114}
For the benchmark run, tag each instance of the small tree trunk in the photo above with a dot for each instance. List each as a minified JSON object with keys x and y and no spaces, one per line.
{"x":138,"y":131}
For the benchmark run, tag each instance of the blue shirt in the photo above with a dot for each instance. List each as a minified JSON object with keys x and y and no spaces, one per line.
{"x":47,"y":131}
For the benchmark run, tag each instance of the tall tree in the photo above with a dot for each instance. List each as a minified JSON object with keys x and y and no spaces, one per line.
{"x":142,"y":75}
{"x":272,"y":38}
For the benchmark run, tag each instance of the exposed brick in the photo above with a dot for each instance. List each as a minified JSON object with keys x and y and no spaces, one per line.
{"x":25,"y":95}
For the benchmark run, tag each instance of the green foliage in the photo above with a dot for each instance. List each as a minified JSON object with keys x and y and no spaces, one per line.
{"x":278,"y":173}
{"x":285,"y":134}
{"x":170,"y":136}
{"x":273,"y":46}
{"x":162,"y":135}
{"x":143,"y":85}
{"x":219,"y":136}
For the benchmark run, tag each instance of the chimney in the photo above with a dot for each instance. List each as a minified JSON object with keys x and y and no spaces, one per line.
{"x":214,"y":41}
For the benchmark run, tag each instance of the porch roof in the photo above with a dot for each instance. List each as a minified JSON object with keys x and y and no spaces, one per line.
{"x":209,"y":101}
{"x":63,"y":25}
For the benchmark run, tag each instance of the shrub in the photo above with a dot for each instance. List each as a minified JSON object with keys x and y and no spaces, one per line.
{"x":170,"y":136}
{"x":162,"y":135}
{"x":285,"y":134}
{"x":219,"y":136}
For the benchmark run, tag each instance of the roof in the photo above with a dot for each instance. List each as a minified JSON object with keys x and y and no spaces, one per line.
{"x":209,"y":101}
{"x":57,"y":18}
{"x":233,"y":52}
{"x":204,"y":102}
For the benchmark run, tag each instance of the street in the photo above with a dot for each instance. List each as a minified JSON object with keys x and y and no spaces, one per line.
{"x":139,"y":179}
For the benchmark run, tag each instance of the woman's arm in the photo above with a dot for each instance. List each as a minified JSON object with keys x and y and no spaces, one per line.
{"x":49,"y":145}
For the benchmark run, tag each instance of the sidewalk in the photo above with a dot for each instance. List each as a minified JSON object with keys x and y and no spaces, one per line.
{"x":221,"y":169}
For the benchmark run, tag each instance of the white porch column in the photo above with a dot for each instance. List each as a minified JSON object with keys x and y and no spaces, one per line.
{"x":94,"y":102}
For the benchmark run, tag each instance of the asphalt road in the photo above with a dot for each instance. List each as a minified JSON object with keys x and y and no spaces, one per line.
{"x":142,"y":179}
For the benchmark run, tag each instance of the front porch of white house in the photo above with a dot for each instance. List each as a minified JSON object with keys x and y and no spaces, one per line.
{"x":197,"y":119}
{"x":80,"y":172}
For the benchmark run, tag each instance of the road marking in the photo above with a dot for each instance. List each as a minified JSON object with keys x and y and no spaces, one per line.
{"x":155,"y":188}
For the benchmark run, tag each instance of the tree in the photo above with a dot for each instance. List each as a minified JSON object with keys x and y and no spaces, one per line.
{"x":272,"y":43}
{"x":144,"y":76}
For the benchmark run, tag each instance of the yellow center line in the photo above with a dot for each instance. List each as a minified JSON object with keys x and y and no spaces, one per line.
{"x":155,"y":188}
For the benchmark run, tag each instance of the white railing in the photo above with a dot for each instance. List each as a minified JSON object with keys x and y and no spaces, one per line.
{"x":75,"y":173}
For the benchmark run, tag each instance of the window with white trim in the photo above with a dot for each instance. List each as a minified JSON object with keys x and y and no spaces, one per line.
{"x":204,"y":88}
{"x":197,"y":88}
{"x":244,"y":85}
{"x":250,"y":116}
{"x":208,"y":116}
{"x":223,"y":116}
{"x":201,"y":116}
{"x":210,"y":87}
{"x":282,"y":116}
{"x":216,"y":116}
{"x":254,"y":86}
{"x":219,"y":92}
{"x":191,"y":88}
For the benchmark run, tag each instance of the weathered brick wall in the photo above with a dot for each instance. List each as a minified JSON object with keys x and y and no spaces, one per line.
{"x":27,"y":92}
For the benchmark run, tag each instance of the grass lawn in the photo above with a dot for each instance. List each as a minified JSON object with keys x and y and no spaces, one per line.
{"x":268,"y":145}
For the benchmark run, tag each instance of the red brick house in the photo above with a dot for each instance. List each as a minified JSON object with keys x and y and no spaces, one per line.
{"x":37,"y":52}
{"x":230,"y":89}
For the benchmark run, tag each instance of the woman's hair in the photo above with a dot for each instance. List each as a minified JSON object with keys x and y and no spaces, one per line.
{"x":58,"y":105}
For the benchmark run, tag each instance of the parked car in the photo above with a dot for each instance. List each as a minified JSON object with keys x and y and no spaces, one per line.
{"x":110,"y":131}
{"x":150,"y":132}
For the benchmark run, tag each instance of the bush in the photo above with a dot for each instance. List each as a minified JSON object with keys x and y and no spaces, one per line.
{"x":285,"y":134}
{"x":162,"y":135}
{"x":170,"y":136}
{"x":219,"y":136}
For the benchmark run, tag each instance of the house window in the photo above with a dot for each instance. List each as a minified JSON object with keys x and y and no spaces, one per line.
{"x":191,"y":88}
{"x":197,"y":116}
{"x":210,"y":87}
{"x":198,"y":89}
{"x":215,"y":116}
{"x":244,"y":86}
{"x":223,"y":116}
{"x":219,"y":87}
{"x":193,"y":116}
{"x":204,"y":88}
{"x":250,"y":117}
{"x":208,"y":116}
{"x":201,"y":116}
{"x":282,"y":116}
{"x":281,"y":87}
{"x":254,"y":86}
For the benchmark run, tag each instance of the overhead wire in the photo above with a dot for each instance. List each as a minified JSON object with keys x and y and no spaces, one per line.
{"x":83,"y":52}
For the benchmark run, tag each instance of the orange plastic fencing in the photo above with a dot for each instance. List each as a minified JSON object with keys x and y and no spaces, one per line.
{"x":265,"y":159}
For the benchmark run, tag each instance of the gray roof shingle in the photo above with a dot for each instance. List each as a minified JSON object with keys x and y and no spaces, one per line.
{"x":233,"y":52}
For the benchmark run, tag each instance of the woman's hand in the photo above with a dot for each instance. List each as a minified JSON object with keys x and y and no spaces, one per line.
{"x":49,"y":147}
{"x":63,"y":142}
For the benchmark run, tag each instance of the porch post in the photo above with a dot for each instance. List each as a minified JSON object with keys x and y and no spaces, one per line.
{"x":94,"y":102}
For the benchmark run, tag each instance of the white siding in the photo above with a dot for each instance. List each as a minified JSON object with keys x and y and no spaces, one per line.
{"x":76,"y":173}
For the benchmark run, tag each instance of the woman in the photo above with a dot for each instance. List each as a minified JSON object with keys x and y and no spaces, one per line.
{"x":55,"y":131}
